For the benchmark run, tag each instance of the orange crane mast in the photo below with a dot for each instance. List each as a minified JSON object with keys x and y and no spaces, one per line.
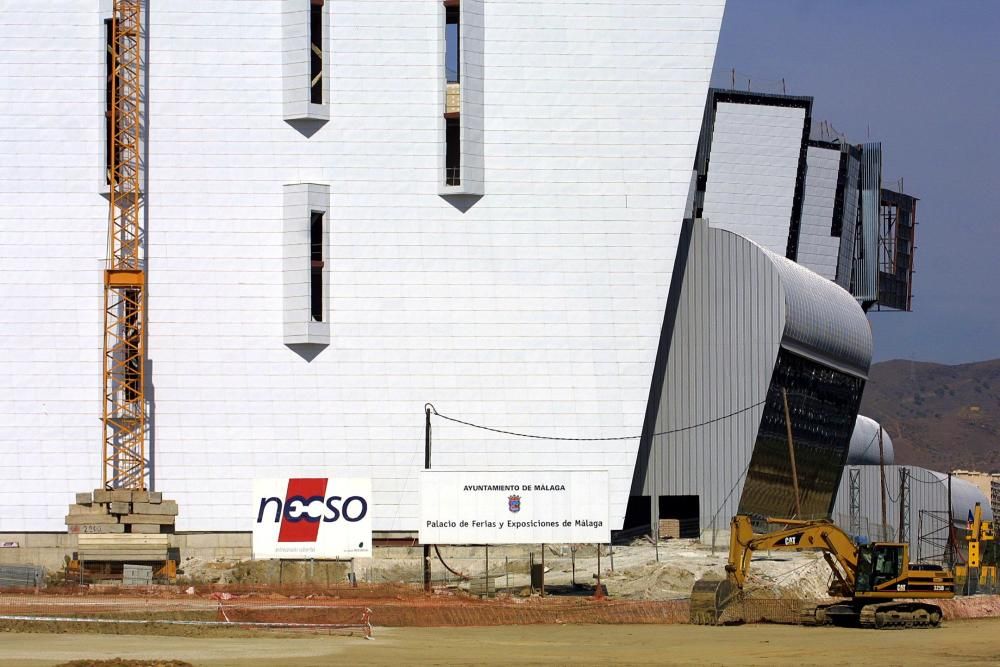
{"x":124,"y":462}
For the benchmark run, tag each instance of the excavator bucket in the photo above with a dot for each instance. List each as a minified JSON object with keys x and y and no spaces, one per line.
{"x":709,"y":597}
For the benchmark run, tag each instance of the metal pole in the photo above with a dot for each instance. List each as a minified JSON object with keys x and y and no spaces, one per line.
{"x":427,"y":466}
{"x":611,"y":552}
{"x":791,"y":454}
{"x":572,"y":555}
{"x":881,"y":466}
{"x":531,"y":568}
{"x":599,"y":591}
{"x":486,"y":575}
{"x":656,"y":539}
{"x":951,"y":530}
{"x":543,"y":570}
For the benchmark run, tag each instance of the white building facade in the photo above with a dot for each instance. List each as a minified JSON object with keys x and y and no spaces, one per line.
{"x":529,"y":297}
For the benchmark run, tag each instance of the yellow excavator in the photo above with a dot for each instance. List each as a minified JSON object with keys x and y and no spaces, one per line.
{"x":879,"y":586}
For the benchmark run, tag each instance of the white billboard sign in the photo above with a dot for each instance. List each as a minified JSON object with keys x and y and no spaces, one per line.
{"x":312,"y":517}
{"x":514,"y":507}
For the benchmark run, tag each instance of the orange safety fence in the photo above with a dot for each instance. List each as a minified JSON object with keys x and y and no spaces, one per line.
{"x":360,"y":607}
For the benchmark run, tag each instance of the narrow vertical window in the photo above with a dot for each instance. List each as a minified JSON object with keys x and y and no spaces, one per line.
{"x":453,"y":151}
{"x":316,"y":265}
{"x":451,"y":57}
{"x":109,"y":84}
{"x":316,"y":51}
{"x":453,"y":94}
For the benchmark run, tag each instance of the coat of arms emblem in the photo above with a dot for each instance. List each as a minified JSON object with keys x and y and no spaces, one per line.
{"x":514,"y":503}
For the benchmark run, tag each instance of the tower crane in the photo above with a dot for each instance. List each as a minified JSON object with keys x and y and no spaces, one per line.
{"x":124,"y":462}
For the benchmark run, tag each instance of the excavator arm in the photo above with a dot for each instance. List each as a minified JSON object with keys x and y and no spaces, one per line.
{"x":837,"y":546}
{"x":712,"y":595}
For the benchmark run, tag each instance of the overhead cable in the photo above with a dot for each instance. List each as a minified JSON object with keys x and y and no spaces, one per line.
{"x":434,"y":411}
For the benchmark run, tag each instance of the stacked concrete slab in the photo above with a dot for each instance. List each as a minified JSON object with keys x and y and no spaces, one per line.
{"x":121,"y":511}
{"x":129,"y":548}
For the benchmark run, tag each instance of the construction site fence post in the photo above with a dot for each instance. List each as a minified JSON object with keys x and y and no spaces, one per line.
{"x":543,"y":570}
{"x":599,"y":593}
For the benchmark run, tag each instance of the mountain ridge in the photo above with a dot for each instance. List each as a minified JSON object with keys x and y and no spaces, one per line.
{"x":943,"y":417}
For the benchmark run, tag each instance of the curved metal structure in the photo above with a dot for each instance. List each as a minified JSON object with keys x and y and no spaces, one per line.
{"x":746,"y":332}
{"x":822,"y":320}
{"x":864,"y":448}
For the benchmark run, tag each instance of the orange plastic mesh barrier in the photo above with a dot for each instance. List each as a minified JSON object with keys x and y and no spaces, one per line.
{"x":379,"y":605}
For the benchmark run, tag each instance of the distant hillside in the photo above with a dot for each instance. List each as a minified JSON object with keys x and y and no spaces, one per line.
{"x":939,"y":417}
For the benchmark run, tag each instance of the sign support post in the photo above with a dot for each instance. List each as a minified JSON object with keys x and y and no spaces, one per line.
{"x":427,"y":466}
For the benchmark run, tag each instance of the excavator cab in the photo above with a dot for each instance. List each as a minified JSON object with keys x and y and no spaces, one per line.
{"x":877,"y":565}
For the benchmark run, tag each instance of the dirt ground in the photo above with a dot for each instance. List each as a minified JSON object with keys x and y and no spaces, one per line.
{"x":637,"y":571}
{"x":958,"y":642}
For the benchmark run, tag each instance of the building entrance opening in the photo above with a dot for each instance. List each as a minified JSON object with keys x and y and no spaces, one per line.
{"x":685,"y":511}
{"x":638,"y":514}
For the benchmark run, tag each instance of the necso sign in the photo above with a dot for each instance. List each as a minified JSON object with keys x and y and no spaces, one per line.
{"x":312,"y":517}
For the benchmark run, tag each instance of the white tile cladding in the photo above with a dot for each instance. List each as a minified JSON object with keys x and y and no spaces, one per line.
{"x":535,"y":308}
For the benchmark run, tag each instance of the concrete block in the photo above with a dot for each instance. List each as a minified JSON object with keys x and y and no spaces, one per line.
{"x":102,"y":496}
{"x":235,"y":540}
{"x":119,"y":508}
{"x":140,"y":496}
{"x":165,"y":507}
{"x":44,"y":540}
{"x":130,"y":556}
{"x":200,"y":540}
{"x":84,"y":498}
{"x":155,"y":497}
{"x":121,"y":495}
{"x":96,"y":528}
{"x":163,"y":519}
{"x":87,"y":509}
{"x":80,"y":519}
{"x":145,"y":528}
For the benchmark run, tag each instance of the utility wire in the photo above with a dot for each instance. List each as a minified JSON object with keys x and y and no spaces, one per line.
{"x":622,"y":437}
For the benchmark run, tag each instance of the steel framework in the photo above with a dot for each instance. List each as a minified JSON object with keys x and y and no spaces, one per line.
{"x":124,"y":415}
{"x":855,"y":480}
{"x":904,"y":504}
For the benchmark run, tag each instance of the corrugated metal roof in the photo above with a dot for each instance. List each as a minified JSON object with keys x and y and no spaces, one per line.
{"x":823,"y":321}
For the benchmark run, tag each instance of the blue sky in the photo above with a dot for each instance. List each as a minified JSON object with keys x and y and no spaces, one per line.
{"x":924,"y":78}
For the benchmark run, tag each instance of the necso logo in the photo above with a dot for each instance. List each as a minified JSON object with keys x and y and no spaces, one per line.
{"x":306,"y":506}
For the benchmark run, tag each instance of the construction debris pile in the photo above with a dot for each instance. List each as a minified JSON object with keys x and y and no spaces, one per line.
{"x":121,"y":511}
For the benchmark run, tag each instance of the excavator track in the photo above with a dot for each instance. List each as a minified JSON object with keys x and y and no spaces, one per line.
{"x":899,"y":615}
{"x":814,"y":615}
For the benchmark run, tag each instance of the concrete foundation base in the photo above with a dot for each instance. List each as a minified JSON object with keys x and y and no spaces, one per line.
{"x":52,"y":550}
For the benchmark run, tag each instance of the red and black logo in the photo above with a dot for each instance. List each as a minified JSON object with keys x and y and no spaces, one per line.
{"x":306,"y":506}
